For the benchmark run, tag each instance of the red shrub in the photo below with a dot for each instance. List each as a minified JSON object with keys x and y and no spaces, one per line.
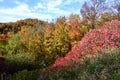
{"x":95,"y":41}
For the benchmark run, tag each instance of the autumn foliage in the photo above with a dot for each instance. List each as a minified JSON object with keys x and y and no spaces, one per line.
{"x":33,"y":46}
{"x":95,"y":41}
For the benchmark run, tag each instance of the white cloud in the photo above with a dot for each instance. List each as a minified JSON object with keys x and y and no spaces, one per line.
{"x":59,"y":11}
{"x":39,"y":6}
{"x":21,"y":11}
{"x":45,"y":9}
{"x":18,"y":10}
{"x":6,"y":18}
{"x":17,"y":2}
{"x":53,"y":4}
{"x":1,"y":0}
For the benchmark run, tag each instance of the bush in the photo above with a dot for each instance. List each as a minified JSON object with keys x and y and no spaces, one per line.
{"x":22,"y":61}
{"x":105,"y":66}
{"x":26,"y":75}
{"x":21,"y":75}
{"x":116,"y":76}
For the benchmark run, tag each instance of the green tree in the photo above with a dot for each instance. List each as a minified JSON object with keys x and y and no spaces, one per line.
{"x":14,"y":45}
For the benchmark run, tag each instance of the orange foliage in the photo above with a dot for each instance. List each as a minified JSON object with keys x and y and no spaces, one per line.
{"x":3,"y":36}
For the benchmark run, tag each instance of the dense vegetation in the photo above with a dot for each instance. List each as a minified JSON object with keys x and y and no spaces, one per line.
{"x":94,"y":42}
{"x":72,"y":48}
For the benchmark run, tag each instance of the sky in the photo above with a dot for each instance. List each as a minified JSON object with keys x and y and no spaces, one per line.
{"x":47,"y":10}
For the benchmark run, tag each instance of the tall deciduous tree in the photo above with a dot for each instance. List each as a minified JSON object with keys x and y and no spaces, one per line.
{"x":116,"y":8}
{"x":61,"y":42}
{"x":48,"y":43}
{"x":90,"y":11}
{"x":57,"y":41}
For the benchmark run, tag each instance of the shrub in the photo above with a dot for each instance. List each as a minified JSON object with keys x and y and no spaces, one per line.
{"x":22,"y":61}
{"x":95,"y":41}
{"x":105,"y":66}
{"x":21,"y":75}
{"x":26,"y":75}
{"x":116,"y":76}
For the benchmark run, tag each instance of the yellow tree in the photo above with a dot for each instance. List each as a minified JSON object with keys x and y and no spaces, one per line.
{"x":57,"y":41}
{"x":48,"y":43}
{"x":62,"y":41}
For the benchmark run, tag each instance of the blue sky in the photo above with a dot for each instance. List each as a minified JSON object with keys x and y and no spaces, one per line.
{"x":12,"y":10}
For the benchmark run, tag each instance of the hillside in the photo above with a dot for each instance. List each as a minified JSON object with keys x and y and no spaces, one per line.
{"x":79,"y":40}
{"x":14,"y":27}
